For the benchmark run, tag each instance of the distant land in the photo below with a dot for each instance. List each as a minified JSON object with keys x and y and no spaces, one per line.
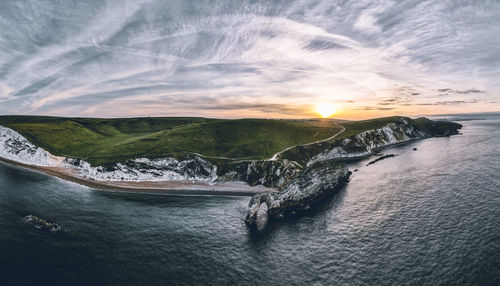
{"x":288,"y":164}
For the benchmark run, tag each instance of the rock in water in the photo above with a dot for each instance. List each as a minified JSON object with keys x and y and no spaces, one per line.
{"x":302,"y":191}
{"x":381,"y":158}
{"x":262,"y":217}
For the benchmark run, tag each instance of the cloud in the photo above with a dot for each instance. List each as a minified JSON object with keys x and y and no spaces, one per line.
{"x":450,"y":102}
{"x":323,"y":44}
{"x":269,"y":58}
{"x":365,"y":108}
{"x":402,"y":96}
{"x":298,"y":111}
{"x":467,"y":91}
{"x":367,"y":21}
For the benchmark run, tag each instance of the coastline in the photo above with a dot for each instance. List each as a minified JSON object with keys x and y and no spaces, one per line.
{"x":148,"y":187}
{"x":181,"y":187}
{"x":20,"y":152}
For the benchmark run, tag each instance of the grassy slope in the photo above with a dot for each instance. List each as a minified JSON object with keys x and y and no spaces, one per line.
{"x":356,"y":127}
{"x":302,"y":154}
{"x":101,"y":141}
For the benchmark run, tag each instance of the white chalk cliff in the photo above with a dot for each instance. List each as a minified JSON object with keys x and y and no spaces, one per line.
{"x":144,"y":169}
{"x":15,"y":147}
{"x":365,"y":142}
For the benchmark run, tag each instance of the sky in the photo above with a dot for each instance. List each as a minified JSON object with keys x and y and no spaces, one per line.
{"x":234,"y":59}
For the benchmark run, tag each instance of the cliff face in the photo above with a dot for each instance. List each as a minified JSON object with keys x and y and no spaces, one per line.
{"x":364,"y":143}
{"x":267,"y":173}
{"x":142,"y":169}
{"x":13,"y":146}
{"x":301,"y":192}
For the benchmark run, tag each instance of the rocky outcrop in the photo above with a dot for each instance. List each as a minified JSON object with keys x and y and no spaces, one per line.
{"x":301,"y":192}
{"x":267,"y":173}
{"x":381,"y":158}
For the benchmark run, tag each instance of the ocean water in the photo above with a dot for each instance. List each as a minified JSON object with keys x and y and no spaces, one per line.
{"x":425,"y":217}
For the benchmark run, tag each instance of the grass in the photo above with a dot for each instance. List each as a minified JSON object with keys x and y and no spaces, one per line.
{"x":101,"y":141}
{"x":302,"y":154}
{"x":356,"y":127}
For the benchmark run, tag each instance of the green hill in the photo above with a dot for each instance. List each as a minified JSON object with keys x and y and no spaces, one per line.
{"x":356,"y":127}
{"x":101,"y":141}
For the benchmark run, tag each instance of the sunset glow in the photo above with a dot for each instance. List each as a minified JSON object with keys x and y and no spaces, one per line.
{"x":325,"y":110}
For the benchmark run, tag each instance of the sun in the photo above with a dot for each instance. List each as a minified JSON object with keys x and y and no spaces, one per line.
{"x":325,"y":109}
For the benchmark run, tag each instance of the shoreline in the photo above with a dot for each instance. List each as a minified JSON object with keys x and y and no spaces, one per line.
{"x":184,"y":187}
{"x":148,"y":187}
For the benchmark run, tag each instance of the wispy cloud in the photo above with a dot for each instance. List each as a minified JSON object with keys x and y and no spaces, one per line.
{"x":467,"y":91}
{"x":451,"y":102}
{"x":250,"y":58}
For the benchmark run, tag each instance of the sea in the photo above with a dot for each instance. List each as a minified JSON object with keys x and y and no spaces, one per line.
{"x":429,"y":216}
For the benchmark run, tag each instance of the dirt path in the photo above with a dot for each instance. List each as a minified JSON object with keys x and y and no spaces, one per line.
{"x":275,"y":156}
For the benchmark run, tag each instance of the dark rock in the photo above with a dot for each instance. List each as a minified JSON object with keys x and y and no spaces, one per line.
{"x":380,"y":159}
{"x":267,"y":173}
{"x":300,"y":193}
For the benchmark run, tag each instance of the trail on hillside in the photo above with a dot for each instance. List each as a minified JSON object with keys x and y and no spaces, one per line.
{"x":275,"y":156}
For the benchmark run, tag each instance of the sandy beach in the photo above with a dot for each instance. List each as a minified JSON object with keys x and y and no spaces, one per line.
{"x":150,"y":187}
